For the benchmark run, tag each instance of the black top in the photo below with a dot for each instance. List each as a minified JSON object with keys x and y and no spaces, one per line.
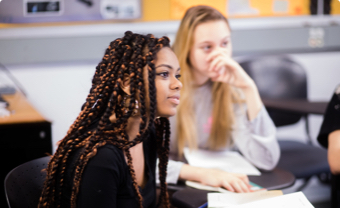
{"x":106,"y":181}
{"x":331,"y":121}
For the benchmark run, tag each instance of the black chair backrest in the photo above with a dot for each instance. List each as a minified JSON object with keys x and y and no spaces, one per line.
{"x":23,"y":185}
{"x":278,"y":77}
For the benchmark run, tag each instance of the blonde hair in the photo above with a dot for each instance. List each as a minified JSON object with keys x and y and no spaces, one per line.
{"x":222,"y":94}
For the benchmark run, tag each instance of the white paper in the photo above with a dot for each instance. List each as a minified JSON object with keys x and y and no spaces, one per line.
{"x":229,"y":161}
{"x":231,"y":199}
{"x":198,"y":185}
{"x":293,"y":200}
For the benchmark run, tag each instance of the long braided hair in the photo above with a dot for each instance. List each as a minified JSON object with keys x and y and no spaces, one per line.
{"x":130,"y":55}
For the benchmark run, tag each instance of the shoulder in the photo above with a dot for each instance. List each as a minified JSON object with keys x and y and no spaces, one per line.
{"x":109,"y":150}
{"x":107,"y":155}
{"x":337,"y":90}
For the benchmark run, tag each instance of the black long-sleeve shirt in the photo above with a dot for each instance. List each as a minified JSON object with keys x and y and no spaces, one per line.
{"x":106,"y":181}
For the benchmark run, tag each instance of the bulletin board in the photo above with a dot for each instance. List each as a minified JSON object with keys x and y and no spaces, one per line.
{"x":175,"y":9}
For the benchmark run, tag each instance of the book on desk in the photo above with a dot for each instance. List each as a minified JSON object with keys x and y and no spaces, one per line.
{"x":201,"y":196}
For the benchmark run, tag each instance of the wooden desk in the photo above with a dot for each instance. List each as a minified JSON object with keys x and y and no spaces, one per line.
{"x":187,"y":197}
{"x":24,"y":136}
{"x":21,"y":111}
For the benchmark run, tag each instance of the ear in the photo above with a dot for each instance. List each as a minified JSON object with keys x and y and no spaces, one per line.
{"x":125,"y":84}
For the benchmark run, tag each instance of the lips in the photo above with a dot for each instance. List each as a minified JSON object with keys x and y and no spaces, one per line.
{"x":174,"y":99}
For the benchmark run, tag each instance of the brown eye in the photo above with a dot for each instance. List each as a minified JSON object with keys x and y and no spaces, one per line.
{"x":163,"y":74}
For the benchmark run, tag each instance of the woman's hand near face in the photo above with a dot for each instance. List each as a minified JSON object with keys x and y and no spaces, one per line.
{"x":217,"y":178}
{"x":223,"y":68}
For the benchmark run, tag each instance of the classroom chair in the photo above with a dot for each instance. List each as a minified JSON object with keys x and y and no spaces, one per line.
{"x":23,"y":184}
{"x":281,"y":78}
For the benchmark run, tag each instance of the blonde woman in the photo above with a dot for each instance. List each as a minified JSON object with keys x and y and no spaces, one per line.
{"x":220,"y":107}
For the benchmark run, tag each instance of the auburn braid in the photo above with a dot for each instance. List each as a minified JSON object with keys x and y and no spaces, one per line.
{"x":85,"y":113}
{"x":163,"y":142}
{"x":59,"y":153}
{"x":123,"y":56}
{"x":91,"y":112}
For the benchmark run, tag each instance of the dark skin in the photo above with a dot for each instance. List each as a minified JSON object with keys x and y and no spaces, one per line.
{"x":168,"y":86}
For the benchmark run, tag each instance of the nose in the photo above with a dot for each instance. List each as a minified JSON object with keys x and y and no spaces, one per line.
{"x":175,"y":84}
{"x":223,"y":49}
{"x":226,"y":49}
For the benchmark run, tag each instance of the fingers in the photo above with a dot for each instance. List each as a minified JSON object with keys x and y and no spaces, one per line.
{"x":218,"y":71}
{"x":213,"y":55}
{"x":229,"y":187}
{"x":216,"y":53}
{"x":236,"y":185}
{"x":244,"y":188}
{"x":231,"y":181}
{"x":217,"y":61}
{"x":243,"y":177}
{"x":221,"y":69}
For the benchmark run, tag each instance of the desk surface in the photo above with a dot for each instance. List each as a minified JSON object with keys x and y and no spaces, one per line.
{"x":21,"y":111}
{"x":297,"y":106}
{"x":187,"y":197}
{"x":275,"y":179}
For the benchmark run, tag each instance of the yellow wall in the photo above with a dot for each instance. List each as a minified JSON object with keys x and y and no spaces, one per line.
{"x":154,"y":10}
{"x":335,"y":7}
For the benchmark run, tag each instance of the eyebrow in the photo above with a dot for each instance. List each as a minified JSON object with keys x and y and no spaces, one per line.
{"x":209,"y":41}
{"x":166,"y":65}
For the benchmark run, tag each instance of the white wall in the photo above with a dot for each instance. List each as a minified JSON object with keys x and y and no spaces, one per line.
{"x":57,"y":91}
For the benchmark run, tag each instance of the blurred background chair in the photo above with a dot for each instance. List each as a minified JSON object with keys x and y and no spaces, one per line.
{"x":280,"y":79}
{"x":23,"y":185}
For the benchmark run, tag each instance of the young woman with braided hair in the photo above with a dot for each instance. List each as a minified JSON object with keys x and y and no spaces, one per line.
{"x":108,"y":157}
{"x":220,"y":108}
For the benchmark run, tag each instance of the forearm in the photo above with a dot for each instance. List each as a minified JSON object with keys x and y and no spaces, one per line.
{"x":253,"y":100}
{"x":257,"y":141}
{"x":334,"y":151}
{"x":191,"y":173}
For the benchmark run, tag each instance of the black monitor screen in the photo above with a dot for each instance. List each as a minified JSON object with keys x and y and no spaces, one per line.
{"x":43,"y":6}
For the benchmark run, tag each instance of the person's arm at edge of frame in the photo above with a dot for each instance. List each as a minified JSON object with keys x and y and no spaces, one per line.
{"x":334,"y":151}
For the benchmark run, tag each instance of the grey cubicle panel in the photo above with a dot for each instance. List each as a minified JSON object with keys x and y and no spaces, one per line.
{"x":84,"y":42}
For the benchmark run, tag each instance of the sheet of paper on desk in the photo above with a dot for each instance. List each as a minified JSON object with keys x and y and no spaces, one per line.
{"x":231,"y":199}
{"x":293,"y":200}
{"x":225,"y":160}
{"x":198,"y":185}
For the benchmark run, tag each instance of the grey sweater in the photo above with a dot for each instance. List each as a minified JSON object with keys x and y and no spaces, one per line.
{"x":255,"y":139}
